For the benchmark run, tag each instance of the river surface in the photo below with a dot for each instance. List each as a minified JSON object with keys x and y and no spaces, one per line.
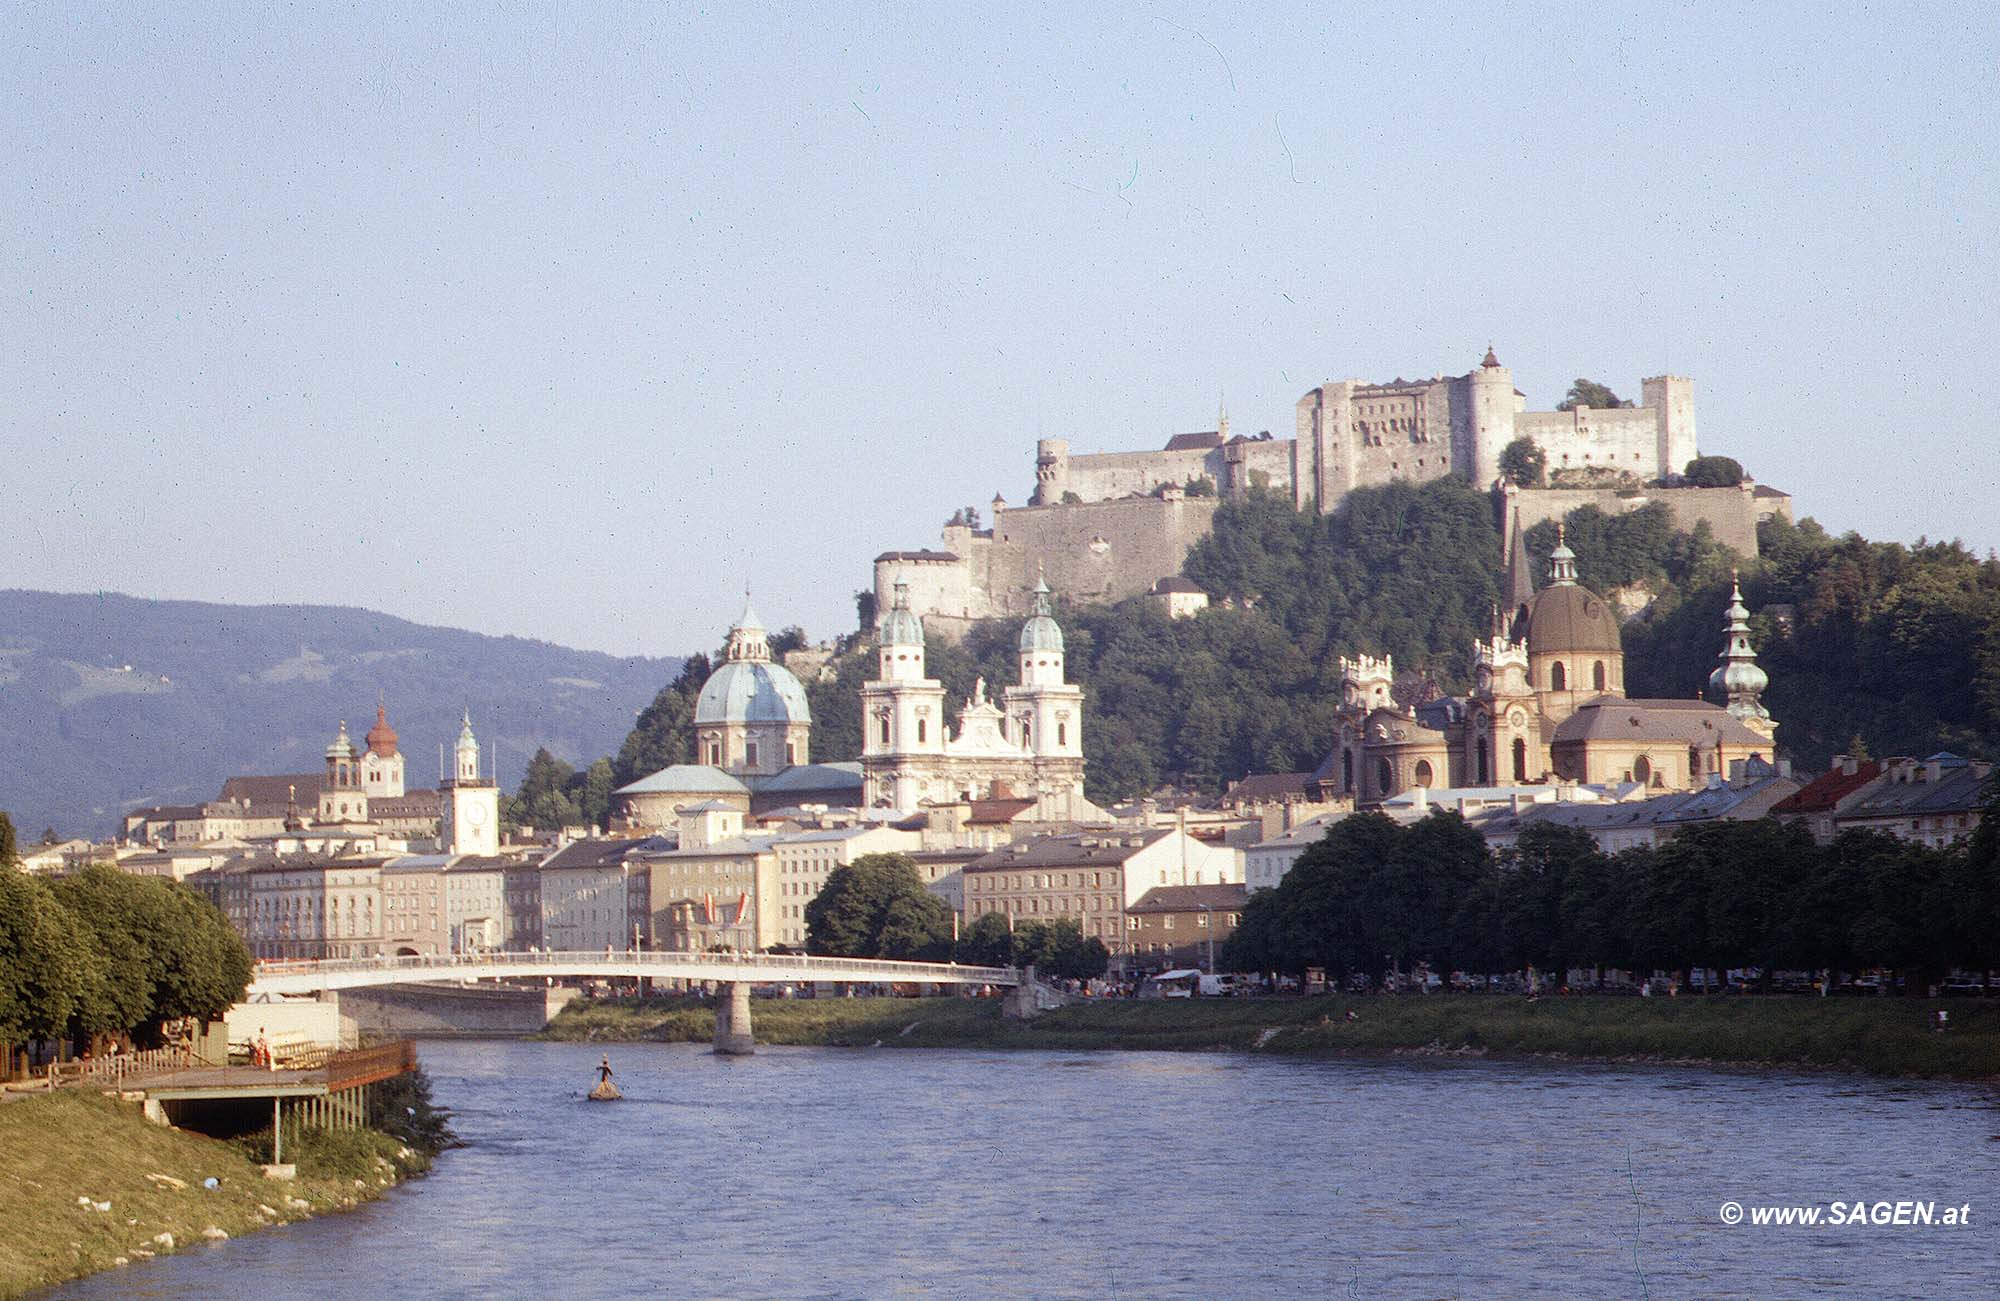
{"x":865,"y":1173}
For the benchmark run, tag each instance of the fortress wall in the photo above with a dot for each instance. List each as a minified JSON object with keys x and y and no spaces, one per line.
{"x":942,"y":588}
{"x":1271,"y":458}
{"x":1626,"y":438}
{"x":1105,"y":476}
{"x":1732,"y":513}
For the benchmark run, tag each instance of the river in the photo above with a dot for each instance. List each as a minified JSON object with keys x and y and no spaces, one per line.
{"x":863,"y":1173}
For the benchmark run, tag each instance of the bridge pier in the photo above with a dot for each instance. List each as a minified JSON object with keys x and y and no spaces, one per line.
{"x":732,"y":1020}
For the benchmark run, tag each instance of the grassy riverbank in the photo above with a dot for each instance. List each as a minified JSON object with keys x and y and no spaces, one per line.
{"x":1889,"y":1036}
{"x":68,"y":1154}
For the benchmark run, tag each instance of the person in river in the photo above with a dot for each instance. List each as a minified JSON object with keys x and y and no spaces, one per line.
{"x":604,"y":1070}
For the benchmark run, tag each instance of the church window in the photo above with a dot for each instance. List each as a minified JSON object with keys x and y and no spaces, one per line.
{"x":1558,"y":679}
{"x":1597,"y":675}
{"x":791,"y":754}
{"x":885,"y":729}
{"x":1520,"y":760}
{"x":714,"y":754}
{"x":1062,"y":733}
{"x":1424,"y":775}
{"x":1484,"y":768}
{"x":1347,"y":772}
{"x":750,"y":753}
{"x":1694,"y":762}
{"x":1642,"y":770}
{"x":1385,"y":776}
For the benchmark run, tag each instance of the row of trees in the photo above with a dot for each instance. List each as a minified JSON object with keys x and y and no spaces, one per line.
{"x":1376,"y":895}
{"x":877,"y":907}
{"x":103,"y":953}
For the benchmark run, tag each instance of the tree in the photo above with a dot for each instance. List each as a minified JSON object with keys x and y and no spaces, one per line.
{"x":46,"y":963}
{"x":1200,"y":486}
{"x":544,"y":801}
{"x":964,"y":517}
{"x":786,"y":640}
{"x":1523,"y":462}
{"x":1059,"y":949}
{"x":987,"y":942}
{"x":1713,"y":472}
{"x":664,"y":733}
{"x":166,"y":951}
{"x":9,"y":855}
{"x":864,"y":609}
{"x":877,"y":907}
{"x":1589,"y":393}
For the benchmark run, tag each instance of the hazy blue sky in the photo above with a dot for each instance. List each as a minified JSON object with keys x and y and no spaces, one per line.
{"x":566,"y":322}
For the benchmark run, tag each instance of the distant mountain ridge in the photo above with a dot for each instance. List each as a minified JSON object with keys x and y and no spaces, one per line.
{"x":110,"y":702}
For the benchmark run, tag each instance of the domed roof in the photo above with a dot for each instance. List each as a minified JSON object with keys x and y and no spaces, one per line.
{"x":752,"y":691}
{"x":342,"y":748}
{"x":1566,"y":617}
{"x":901,"y":626}
{"x":382,"y":737}
{"x":749,"y":687}
{"x":1041,"y":632}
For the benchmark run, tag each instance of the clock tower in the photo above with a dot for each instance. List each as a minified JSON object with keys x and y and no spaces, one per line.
{"x":471,"y":813}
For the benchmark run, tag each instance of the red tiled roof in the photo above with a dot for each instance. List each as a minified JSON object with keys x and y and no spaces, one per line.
{"x":1821,"y":793}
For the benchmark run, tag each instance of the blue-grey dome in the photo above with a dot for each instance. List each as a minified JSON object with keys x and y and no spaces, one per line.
{"x":752,"y":691}
{"x":1041,"y":632}
{"x":901,"y":626}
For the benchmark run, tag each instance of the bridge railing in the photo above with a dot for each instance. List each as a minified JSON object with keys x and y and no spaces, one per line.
{"x":755,"y":966}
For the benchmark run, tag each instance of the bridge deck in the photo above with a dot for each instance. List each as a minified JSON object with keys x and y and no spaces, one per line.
{"x":272,"y":979}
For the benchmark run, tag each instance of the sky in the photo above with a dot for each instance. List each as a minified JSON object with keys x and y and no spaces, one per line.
{"x":572,"y":321}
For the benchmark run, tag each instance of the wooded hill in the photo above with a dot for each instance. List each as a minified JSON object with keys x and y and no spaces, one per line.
{"x":1890,"y":648}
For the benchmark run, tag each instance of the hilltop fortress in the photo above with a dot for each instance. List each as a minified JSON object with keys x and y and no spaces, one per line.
{"x":1109,"y":525}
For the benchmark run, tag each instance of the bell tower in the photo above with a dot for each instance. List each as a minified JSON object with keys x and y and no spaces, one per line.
{"x":470,"y":817}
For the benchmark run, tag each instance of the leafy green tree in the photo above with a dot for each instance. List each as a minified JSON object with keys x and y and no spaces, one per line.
{"x":786,"y":640}
{"x":1713,"y":472}
{"x":47,"y":964}
{"x":664,"y":733}
{"x":987,"y":942}
{"x":166,"y":952}
{"x":594,"y":787}
{"x":877,"y":907}
{"x":1057,"y":948}
{"x":1200,"y":486}
{"x":1543,"y":879}
{"x":10,"y":855}
{"x":1588,"y":393}
{"x":544,"y":801}
{"x":1523,"y":462}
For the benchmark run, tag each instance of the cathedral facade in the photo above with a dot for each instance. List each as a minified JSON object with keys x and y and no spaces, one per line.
{"x":1548,"y":704}
{"x":1030,"y":745}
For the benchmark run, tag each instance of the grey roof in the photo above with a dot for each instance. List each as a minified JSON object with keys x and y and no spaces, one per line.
{"x":1175,"y":583}
{"x":1690,"y":722}
{"x":600,"y":852}
{"x":809,"y":777}
{"x":1309,"y":832}
{"x":1959,"y":787}
{"x":417,"y":863}
{"x":1083,"y":849}
{"x":690,"y":778}
{"x":1190,"y":898}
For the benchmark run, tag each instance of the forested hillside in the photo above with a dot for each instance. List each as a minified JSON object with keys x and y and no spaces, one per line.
{"x":1889,"y":647}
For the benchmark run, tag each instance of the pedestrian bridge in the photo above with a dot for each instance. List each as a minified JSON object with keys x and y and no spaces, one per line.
{"x":273,"y":979}
{"x":735,"y":973}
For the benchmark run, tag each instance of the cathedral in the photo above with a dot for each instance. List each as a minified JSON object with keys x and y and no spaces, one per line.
{"x":1548,"y":704}
{"x":1030,"y":745}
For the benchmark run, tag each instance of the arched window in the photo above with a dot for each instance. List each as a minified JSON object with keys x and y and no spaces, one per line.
{"x":1485,"y":769}
{"x":1062,"y":734}
{"x":1694,"y":763}
{"x":750,"y":753}
{"x":1642,"y":770}
{"x":885,"y":729}
{"x":1597,"y":675}
{"x":1385,"y":777}
{"x":921,"y":730}
{"x":1347,"y":772}
{"x":1558,"y":680}
{"x":1520,"y":760}
{"x":1423,"y":777}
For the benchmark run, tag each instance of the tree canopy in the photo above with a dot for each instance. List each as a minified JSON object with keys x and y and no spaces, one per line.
{"x":1588,"y":393}
{"x":1523,"y":462}
{"x":1713,"y":472}
{"x":877,"y":907}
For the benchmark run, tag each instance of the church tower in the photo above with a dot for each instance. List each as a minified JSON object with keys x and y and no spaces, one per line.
{"x":1046,"y":710}
{"x":382,"y":763}
{"x":1503,"y":741}
{"x":902,"y":712}
{"x":1738,"y":679}
{"x":341,"y":797}
{"x":471,"y":803}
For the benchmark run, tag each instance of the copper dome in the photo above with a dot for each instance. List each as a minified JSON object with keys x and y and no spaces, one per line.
{"x":1567,"y":617}
{"x":382,"y":737}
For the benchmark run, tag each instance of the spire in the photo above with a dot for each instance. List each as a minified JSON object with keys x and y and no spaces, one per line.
{"x":1738,"y":678}
{"x":1562,"y":561}
{"x":1520,"y":569}
{"x":1222,"y":419}
{"x":466,"y":740}
{"x":1489,"y":362}
{"x":901,"y":626}
{"x":746,"y":636}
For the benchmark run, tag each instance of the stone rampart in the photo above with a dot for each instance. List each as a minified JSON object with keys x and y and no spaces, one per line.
{"x":1731,"y":513}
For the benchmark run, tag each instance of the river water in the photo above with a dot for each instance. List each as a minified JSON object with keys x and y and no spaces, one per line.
{"x":865,"y":1173}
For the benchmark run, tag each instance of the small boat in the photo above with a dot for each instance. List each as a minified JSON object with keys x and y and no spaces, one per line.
{"x":605,"y":1091}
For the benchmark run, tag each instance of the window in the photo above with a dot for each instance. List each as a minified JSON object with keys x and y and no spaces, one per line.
{"x":715,"y":754}
{"x":1484,"y":769}
{"x":1062,"y":733}
{"x":1347,"y":772}
{"x":1694,"y":762}
{"x":1520,"y":760}
{"x":750,"y":753}
{"x":1385,"y":776}
{"x":1642,"y":770}
{"x":1558,"y":679}
{"x":791,"y":754}
{"x":1424,"y":773}
{"x":885,"y":729}
{"x":1201,"y":922}
{"x":1167,"y":922}
{"x":921,"y":729}
{"x":1597,"y":678}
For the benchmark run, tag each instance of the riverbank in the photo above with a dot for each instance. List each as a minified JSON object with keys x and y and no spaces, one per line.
{"x":1889,"y":1036}
{"x":89,"y":1184}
